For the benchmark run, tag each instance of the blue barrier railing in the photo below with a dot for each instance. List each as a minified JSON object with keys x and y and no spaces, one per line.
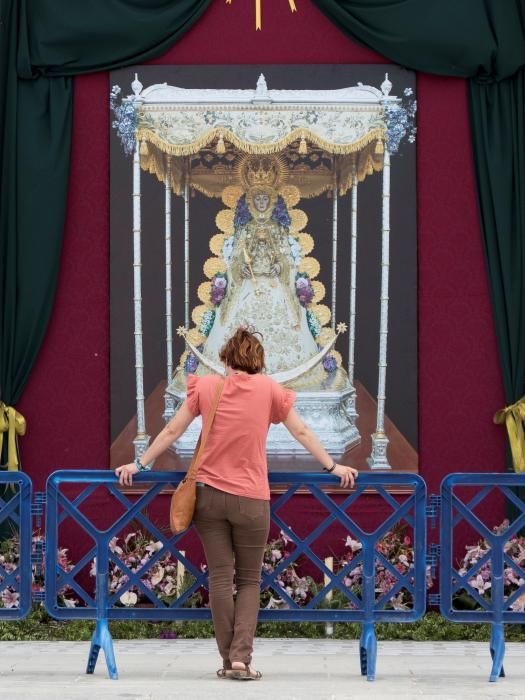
{"x":490,"y":565}
{"x":462,"y":495}
{"x":16,"y":522}
{"x":367,"y":607}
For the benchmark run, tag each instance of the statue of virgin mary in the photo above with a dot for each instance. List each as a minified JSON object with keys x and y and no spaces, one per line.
{"x":261,"y":271}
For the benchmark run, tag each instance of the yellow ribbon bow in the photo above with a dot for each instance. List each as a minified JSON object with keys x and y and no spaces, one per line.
{"x":514,"y":418}
{"x":14,"y":424}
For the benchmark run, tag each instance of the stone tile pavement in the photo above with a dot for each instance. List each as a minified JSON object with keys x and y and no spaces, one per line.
{"x":294,"y":669}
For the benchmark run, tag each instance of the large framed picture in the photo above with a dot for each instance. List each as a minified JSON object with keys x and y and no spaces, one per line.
{"x":282,"y":198}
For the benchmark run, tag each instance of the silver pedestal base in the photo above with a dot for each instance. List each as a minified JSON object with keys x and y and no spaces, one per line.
{"x":379,"y":458}
{"x":330,"y":414}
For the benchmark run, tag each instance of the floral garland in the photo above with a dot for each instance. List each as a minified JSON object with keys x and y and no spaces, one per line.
{"x":313,"y":323}
{"x":125,"y":122}
{"x":219,"y":285}
{"x":208,"y":319}
{"x":303,"y":287}
{"x":400,"y":120}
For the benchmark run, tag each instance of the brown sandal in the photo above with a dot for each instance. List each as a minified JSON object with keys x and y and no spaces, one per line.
{"x":246,"y":674}
{"x":224,"y":672}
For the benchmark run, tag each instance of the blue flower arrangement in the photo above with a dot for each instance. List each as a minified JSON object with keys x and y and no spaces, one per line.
{"x":400,"y":120}
{"x":242,"y":213}
{"x":280,"y":213}
{"x":125,"y":122}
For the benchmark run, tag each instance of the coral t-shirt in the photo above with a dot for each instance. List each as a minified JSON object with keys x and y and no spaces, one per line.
{"x":234,"y":458}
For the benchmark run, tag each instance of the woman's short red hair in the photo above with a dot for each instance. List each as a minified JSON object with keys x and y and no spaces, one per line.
{"x":244,"y":352}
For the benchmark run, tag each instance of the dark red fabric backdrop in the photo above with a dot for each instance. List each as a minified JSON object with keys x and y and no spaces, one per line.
{"x":66,"y":402}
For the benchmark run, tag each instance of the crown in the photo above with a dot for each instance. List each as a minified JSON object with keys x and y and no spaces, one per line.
{"x":265,"y":171}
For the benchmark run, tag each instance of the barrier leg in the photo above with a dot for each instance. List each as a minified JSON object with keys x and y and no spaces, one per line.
{"x":102,"y":639}
{"x":368,"y":651}
{"x":497,"y":651}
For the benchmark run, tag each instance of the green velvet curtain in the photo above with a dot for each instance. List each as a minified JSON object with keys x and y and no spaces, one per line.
{"x":43,"y":43}
{"x":483,"y":41}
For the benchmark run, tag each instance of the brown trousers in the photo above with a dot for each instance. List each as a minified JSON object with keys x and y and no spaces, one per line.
{"x":234,"y":531}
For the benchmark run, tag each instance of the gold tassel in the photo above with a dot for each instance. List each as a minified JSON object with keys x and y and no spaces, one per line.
{"x":379,"y":149}
{"x":220,"y":148}
{"x":369,"y":166}
{"x":514,"y":418}
{"x":303,"y":149}
{"x":14,"y":424}
{"x":144,"y":150}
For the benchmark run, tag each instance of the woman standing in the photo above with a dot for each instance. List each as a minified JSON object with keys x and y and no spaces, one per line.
{"x":232,"y":514}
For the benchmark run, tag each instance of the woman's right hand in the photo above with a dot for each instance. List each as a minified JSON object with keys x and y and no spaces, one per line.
{"x":348,"y":475}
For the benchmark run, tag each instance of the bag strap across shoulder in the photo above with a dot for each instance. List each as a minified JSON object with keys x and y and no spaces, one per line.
{"x":203,"y":437}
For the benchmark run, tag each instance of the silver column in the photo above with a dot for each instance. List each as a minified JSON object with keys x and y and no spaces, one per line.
{"x":378,"y":458}
{"x":186,"y":254}
{"x":334,"y":250}
{"x":141,"y":440}
{"x":169,"y":403}
{"x":351,"y":407}
{"x":353,"y":279}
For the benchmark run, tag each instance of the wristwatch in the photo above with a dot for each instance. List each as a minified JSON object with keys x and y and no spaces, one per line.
{"x":141,"y":467}
{"x":330,"y":469}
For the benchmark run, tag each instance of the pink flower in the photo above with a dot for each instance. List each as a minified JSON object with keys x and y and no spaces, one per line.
{"x":9,"y":598}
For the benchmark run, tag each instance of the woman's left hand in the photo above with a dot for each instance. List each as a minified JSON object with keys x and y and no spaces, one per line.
{"x":125,"y":473}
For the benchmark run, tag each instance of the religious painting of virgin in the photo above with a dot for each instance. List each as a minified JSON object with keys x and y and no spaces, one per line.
{"x":281,"y":198}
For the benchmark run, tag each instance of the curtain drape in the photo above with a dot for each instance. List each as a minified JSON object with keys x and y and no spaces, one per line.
{"x":483,"y":41}
{"x":43,"y":43}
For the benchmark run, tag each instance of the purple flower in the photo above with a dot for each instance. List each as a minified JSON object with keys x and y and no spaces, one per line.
{"x":329,"y":363}
{"x":302,"y":282}
{"x":168,"y":634}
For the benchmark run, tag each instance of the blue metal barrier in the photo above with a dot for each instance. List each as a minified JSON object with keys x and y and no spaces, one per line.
{"x":456,"y":513}
{"x":369,"y":607}
{"x":15,"y":517}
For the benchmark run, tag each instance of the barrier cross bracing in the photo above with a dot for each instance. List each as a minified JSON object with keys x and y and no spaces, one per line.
{"x":489,"y":568}
{"x":15,"y":520}
{"x":369,"y":607}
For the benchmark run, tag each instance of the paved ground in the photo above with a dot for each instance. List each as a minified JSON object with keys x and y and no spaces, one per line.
{"x":293,"y":669}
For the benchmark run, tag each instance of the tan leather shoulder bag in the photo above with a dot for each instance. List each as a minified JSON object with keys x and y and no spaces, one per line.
{"x":182,"y":504}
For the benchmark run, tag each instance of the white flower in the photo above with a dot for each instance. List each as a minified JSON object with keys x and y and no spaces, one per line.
{"x":157,"y":576}
{"x":354,"y":545}
{"x":128,"y":598}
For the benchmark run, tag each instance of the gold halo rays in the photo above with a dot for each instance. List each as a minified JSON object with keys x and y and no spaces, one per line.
{"x":216,"y":243}
{"x":212,"y":266}
{"x":224,"y":221}
{"x":310,"y":266}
